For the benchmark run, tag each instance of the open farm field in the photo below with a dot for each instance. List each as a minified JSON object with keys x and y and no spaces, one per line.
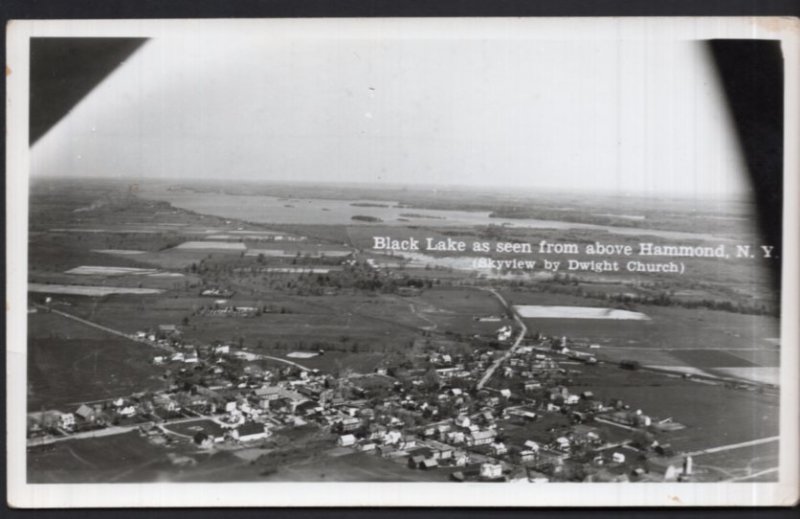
{"x":97,"y":270}
{"x":59,"y":253}
{"x":292,"y":323}
{"x":121,"y":458}
{"x":354,"y":467}
{"x":47,"y":325}
{"x":711,"y":358}
{"x":707,"y":411}
{"x":89,"y":290}
{"x":212,"y":246}
{"x":340,"y":361}
{"x":71,"y":365}
{"x":668,"y":328}
{"x":742,"y":462}
{"x":161,"y":280}
{"x":577,"y":312}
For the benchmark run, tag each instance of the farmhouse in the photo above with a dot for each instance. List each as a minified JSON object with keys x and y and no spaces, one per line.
{"x":126,"y":411}
{"x":346,"y":440}
{"x":428,"y":464}
{"x":532,"y":445}
{"x":85,"y":413}
{"x":350,"y":423}
{"x":526,"y":455}
{"x":66,"y":421}
{"x":498,"y":449}
{"x":532,"y":385}
{"x":475,"y":438}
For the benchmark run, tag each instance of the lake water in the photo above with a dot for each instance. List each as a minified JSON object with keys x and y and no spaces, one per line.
{"x":317,"y":211}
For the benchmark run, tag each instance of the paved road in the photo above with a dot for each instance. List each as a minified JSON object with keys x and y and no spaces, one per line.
{"x":755,"y":474}
{"x":517,"y":342}
{"x":734,"y":446}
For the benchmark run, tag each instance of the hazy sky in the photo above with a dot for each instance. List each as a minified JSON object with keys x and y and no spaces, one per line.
{"x":610,"y":115}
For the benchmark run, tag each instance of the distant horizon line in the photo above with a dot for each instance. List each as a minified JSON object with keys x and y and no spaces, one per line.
{"x":740,"y":196}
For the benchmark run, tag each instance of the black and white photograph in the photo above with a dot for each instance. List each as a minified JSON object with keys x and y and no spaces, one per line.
{"x":392,"y":260}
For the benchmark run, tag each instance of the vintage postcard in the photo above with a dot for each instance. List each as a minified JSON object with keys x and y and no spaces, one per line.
{"x":384,"y":262}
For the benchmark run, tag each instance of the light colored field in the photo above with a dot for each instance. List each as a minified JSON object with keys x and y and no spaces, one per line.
{"x":234,"y":235}
{"x":109,"y":231}
{"x":96,"y":270}
{"x":297,"y":270}
{"x":420,"y":260}
{"x":302,"y":354}
{"x":211,"y":245}
{"x":121,"y":252}
{"x":756,"y":374}
{"x":270,"y":253}
{"x":682,"y":369}
{"x":83,"y":290}
{"x":285,"y":253}
{"x":578,"y":312}
{"x":259,"y":233}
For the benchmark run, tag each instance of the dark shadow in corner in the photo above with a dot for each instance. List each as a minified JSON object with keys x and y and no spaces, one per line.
{"x":64,"y":70}
{"x":751,"y":75}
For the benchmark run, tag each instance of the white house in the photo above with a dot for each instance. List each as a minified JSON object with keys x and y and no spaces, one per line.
{"x":346,"y":440}
{"x":66,"y":420}
{"x":392,"y":437}
{"x":127,"y":411}
{"x":491,"y":470}
{"x":532,"y":445}
{"x":498,"y":449}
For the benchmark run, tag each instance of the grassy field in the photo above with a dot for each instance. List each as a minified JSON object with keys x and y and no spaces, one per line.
{"x":741,"y":462}
{"x":673,"y":336}
{"x":69,"y":362}
{"x":122,"y":458}
{"x":354,"y":467}
{"x":713,"y":414}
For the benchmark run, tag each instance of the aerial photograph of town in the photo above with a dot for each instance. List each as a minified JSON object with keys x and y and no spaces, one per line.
{"x":357,"y":265}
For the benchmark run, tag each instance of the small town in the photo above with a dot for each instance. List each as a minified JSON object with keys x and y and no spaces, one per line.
{"x":510,"y":414}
